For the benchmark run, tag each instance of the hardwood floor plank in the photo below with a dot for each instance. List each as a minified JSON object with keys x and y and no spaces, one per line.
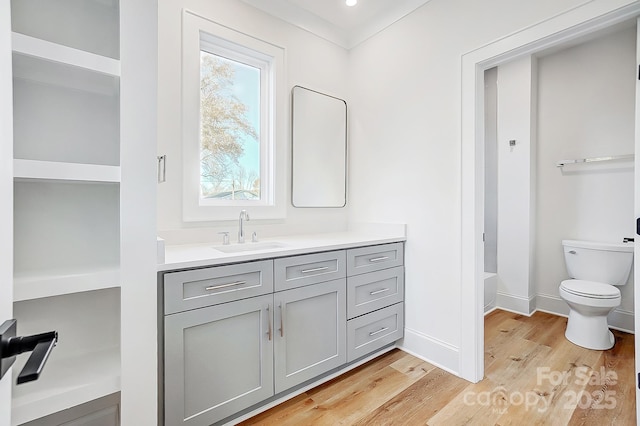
{"x":501,"y":393}
{"x":419,"y":402}
{"x":413,"y":367}
{"x":481,"y":403}
{"x":546,"y":328}
{"x":499,"y":346}
{"x":551,"y":383}
{"x":505,"y":325}
{"x":514,"y":359}
{"x":606,"y":399}
{"x":282,"y":414}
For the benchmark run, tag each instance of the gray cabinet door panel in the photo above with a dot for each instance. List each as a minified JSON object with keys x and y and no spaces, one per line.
{"x":310,"y":332}
{"x":298,"y":271}
{"x":375,"y":290}
{"x":374,"y":258}
{"x":218,"y":360}
{"x":197,"y":288}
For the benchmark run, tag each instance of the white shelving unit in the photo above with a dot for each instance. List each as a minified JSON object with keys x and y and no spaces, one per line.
{"x":51,"y":170}
{"x":67,"y":175}
{"x":43,"y":49}
{"x":56,"y":283}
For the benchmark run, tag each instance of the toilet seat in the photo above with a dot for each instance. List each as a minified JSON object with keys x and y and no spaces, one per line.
{"x":590,"y":289}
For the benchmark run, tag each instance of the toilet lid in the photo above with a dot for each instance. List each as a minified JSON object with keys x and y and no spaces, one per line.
{"x":592,"y":289}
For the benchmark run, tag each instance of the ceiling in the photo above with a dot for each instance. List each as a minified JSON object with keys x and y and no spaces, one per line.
{"x":337,"y":22}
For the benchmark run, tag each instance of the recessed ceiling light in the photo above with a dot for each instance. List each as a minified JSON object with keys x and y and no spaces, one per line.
{"x":352,"y":2}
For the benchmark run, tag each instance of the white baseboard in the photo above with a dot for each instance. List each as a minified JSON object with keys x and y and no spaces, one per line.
{"x":441,"y":354}
{"x":488,"y":309}
{"x":618,"y":319}
{"x":517,"y":304}
{"x":552,"y":305}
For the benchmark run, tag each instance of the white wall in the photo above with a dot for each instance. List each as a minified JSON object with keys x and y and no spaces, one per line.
{"x":405,"y":91}
{"x":516,"y":164}
{"x":310,"y":61}
{"x":586,"y":109}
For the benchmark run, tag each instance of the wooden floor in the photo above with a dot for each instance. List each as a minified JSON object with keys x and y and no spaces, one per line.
{"x":533,"y":376}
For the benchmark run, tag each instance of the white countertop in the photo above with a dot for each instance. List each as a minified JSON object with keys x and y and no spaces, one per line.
{"x":199,"y":255}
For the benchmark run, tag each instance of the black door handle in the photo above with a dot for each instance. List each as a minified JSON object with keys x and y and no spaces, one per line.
{"x":40,"y":346}
{"x":37,"y":360}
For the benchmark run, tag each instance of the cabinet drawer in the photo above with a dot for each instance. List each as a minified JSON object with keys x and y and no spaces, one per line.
{"x":374,"y":258}
{"x":298,"y":271}
{"x":210,"y":286}
{"x":375,"y":290}
{"x":370,"y":332}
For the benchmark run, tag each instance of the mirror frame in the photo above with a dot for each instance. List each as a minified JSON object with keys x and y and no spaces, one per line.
{"x":293,"y":150}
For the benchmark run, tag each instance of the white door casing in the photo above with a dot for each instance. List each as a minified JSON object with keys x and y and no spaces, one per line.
{"x":636,"y":257}
{"x":6,"y":194}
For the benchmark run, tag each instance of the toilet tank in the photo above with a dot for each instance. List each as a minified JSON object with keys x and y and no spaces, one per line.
{"x":608,"y":263}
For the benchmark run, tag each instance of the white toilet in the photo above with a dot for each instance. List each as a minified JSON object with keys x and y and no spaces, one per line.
{"x":595,"y":268}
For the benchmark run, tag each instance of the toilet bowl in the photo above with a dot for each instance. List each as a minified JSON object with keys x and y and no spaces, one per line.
{"x":591,"y":294}
{"x":588,"y":309}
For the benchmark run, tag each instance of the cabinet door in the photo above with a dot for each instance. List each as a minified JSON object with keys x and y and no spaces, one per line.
{"x":218,"y":360}
{"x":310,"y":332}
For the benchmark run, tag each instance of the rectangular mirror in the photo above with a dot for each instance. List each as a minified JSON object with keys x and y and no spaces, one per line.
{"x":319,"y":149}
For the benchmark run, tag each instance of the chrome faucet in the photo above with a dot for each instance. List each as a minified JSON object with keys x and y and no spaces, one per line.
{"x":243,"y":216}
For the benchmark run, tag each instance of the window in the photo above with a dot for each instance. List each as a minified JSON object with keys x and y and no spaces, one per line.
{"x":231,"y":126}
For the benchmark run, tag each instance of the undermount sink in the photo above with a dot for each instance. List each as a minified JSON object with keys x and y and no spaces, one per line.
{"x":239,"y":248}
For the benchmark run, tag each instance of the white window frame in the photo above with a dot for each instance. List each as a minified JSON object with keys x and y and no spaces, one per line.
{"x":201,"y":34}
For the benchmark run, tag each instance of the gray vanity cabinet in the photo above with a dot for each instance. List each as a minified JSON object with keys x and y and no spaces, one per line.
{"x":218,"y":360}
{"x":242,"y":334}
{"x":310,"y":327}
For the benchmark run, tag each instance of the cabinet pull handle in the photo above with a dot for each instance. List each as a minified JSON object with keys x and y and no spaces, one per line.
{"x":323,"y":268}
{"x":269,"y":321}
{"x":162,"y":168}
{"x":378,"y":259}
{"x":216,"y":287}
{"x":281,"y":321}
{"x":373,"y":293}
{"x":373,"y":333}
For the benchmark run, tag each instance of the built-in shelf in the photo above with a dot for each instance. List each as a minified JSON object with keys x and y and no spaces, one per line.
{"x":56,"y":283}
{"x":51,"y":170}
{"x":43,"y":49}
{"x":67,"y":177}
{"x":65,"y":383}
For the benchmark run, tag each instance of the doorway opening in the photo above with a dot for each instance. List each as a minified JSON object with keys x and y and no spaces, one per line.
{"x":571,"y":27}
{"x":573,"y":101}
